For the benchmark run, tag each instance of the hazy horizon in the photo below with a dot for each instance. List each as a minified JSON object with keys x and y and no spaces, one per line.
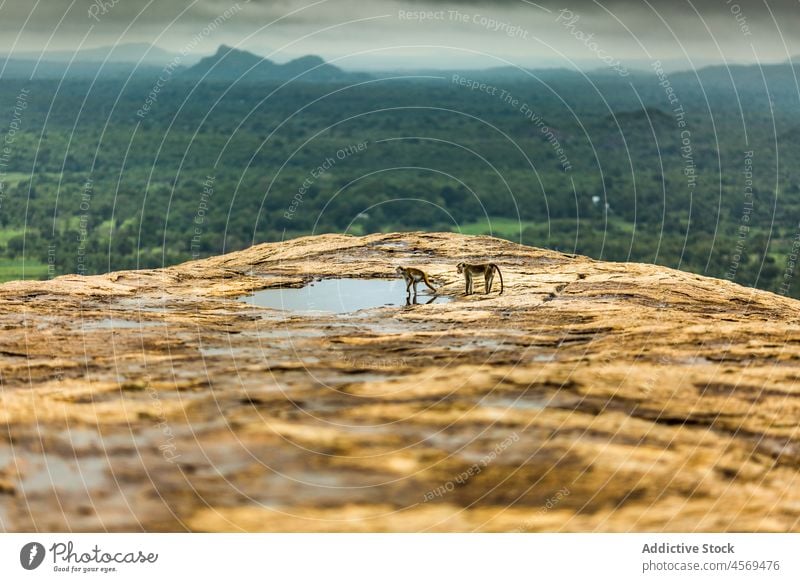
{"x":387,"y":65}
{"x":392,"y":35}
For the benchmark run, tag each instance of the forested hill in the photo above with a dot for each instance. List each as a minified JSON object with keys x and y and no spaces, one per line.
{"x":689,"y":170}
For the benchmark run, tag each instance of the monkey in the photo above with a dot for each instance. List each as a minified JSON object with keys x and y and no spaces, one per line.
{"x":414,"y":276}
{"x":485,"y":269}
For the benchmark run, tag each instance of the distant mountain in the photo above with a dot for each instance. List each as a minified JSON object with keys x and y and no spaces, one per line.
{"x":512,"y":74}
{"x":227,"y":64}
{"x":751,"y":78}
{"x":122,"y":60}
{"x":41,"y":70}
{"x":143,"y":53}
{"x":230,"y":64}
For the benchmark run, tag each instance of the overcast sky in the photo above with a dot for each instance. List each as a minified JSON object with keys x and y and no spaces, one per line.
{"x":385,"y":34}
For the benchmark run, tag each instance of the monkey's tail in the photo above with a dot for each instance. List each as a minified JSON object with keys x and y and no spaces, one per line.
{"x":427,"y":282}
{"x":496,"y":268}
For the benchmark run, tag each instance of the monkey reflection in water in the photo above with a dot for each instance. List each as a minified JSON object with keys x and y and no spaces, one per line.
{"x":412,"y":300}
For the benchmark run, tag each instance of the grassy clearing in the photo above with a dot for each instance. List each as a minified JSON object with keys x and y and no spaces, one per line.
{"x":14,"y":178}
{"x":8,"y":233}
{"x":508,"y":228}
{"x":13,"y":269}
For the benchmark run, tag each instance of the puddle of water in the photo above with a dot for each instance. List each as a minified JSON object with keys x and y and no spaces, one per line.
{"x":486,"y":345}
{"x":360,"y":378}
{"x":223,"y":351}
{"x":517,"y":403}
{"x":79,"y":438}
{"x":695,"y":361}
{"x":115,"y":323}
{"x":41,"y":473}
{"x":55,"y":473}
{"x":85,"y":440}
{"x":288,"y":334}
{"x":149,"y":305}
{"x":339,"y":296}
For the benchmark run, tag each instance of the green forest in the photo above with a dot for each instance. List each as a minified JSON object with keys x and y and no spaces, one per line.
{"x":695,"y":170}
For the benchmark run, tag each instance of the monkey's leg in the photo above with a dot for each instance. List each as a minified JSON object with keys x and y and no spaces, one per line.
{"x":415,"y":287}
{"x":489,"y":279}
{"x":408,"y":286}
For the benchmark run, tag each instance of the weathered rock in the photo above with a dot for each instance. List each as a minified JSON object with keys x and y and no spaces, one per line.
{"x":589,"y":396}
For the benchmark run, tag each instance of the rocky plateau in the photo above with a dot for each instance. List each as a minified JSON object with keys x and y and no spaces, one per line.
{"x":589,"y":396}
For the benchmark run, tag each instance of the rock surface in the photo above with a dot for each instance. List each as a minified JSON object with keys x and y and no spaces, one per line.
{"x":590,"y":396}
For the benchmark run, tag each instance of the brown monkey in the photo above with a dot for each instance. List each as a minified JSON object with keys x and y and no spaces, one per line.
{"x":414,"y":276}
{"x":471,"y":271}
